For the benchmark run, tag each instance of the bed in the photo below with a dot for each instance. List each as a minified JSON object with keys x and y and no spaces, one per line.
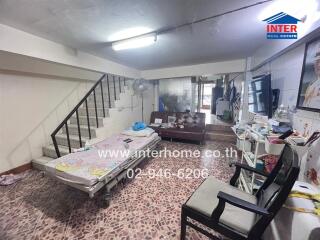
{"x":93,"y":169}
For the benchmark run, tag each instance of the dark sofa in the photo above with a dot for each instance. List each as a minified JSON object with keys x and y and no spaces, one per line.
{"x":193,"y":125}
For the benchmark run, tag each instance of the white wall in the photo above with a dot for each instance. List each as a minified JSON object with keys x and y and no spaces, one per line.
{"x":285,"y":73}
{"x":196,"y":70}
{"x":30,"y":108}
{"x":11,"y":62}
{"x":127,"y":110}
{"x":38,"y":88}
{"x":273,"y":47}
{"x":16,"y":41}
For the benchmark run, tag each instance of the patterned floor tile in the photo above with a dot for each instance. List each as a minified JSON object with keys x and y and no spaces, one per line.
{"x":143,"y":208}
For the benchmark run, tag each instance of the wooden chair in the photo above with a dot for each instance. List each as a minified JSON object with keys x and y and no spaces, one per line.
{"x":234,"y":213}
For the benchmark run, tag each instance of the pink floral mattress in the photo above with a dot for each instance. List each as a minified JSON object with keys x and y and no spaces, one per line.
{"x":87,"y":167}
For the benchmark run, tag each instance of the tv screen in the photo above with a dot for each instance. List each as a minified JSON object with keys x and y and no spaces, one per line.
{"x":260,"y":95}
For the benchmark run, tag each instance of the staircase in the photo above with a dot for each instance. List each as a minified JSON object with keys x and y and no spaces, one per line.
{"x":221,"y":133}
{"x":91,"y":114}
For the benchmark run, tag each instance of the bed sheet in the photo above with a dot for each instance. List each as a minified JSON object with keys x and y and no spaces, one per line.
{"x":88,"y":166}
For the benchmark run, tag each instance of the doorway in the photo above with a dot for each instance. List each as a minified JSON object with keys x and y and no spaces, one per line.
{"x":210,"y":89}
{"x":206,"y":99}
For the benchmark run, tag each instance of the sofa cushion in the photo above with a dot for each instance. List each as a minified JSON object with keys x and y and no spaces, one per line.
{"x":193,"y":125}
{"x":180,"y":134}
{"x":191,"y":120}
{"x":205,"y":200}
{"x":160,"y":115}
{"x":185,"y":130}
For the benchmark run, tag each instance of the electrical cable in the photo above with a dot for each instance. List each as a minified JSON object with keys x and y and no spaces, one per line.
{"x":170,"y":29}
{"x":211,"y":17}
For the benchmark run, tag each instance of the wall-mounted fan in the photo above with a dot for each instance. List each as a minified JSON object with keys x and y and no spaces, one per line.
{"x":139,"y":87}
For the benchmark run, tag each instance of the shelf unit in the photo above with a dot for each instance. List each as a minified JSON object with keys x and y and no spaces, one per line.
{"x":249,"y":182}
{"x":240,"y":139}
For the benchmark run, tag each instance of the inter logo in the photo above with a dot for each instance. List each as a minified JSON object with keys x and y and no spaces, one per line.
{"x":282,"y":26}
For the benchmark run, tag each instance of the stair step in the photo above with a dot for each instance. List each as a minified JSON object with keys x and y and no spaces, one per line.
{"x":40,"y":162}
{"x":74,"y":140}
{"x":111,"y":88}
{"x":114,"y":90}
{"x":217,"y":136}
{"x":92,"y":112}
{"x":111,"y":83}
{"x":218,"y":128}
{"x":84,"y":122}
{"x":99,"y":104}
{"x":106,"y":92}
{"x":99,"y":98}
{"x":49,"y":151}
{"x":73,"y":130}
{"x":105,"y":96}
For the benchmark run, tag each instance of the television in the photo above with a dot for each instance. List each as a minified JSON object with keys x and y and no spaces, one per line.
{"x":260,"y":95}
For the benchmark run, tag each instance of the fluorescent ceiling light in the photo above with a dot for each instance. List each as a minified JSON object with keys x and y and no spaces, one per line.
{"x":129,"y":33}
{"x":135,"y":42}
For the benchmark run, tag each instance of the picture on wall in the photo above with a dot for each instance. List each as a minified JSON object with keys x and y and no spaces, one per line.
{"x":309,"y":90}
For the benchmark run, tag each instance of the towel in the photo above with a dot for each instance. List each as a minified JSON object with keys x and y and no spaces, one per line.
{"x":138,"y":126}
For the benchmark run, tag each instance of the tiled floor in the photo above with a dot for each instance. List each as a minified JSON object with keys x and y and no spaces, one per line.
{"x":145,"y":208}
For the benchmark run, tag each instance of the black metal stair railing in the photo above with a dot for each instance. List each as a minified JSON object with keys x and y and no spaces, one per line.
{"x":103,"y":84}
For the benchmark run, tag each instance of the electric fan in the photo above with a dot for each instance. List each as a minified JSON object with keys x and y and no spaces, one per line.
{"x":139,"y":87}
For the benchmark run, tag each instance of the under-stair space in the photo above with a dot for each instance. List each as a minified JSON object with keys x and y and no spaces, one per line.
{"x":91,"y":115}
{"x":220,"y":133}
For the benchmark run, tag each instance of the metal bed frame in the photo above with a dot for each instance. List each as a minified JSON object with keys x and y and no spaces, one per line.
{"x":109,"y":180}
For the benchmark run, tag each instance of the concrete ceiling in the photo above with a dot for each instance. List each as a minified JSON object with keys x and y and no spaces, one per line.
{"x":87,"y":25}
